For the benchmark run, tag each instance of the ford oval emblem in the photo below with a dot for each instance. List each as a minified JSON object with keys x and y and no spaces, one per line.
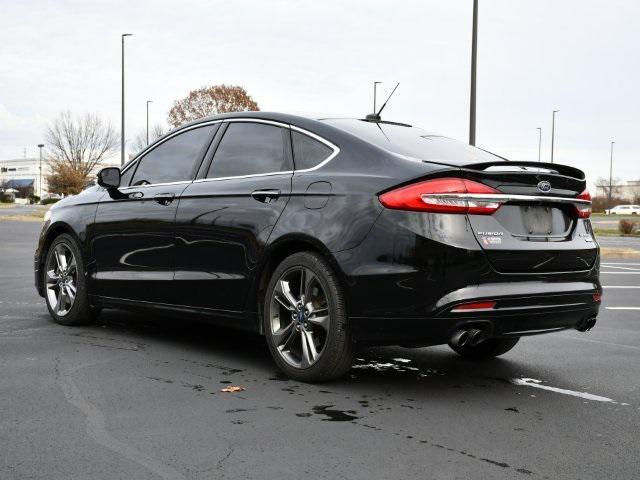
{"x":544,"y":186}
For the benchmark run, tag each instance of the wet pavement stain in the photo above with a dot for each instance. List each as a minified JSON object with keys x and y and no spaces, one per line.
{"x":159,"y":379}
{"x":237,"y":410}
{"x":512,"y":409}
{"x":192,"y":386}
{"x":334,"y":415}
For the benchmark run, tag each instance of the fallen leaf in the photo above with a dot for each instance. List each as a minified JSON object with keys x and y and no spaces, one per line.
{"x":232,"y":389}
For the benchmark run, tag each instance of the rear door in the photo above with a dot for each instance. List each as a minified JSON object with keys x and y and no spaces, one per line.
{"x":542,"y":223}
{"x":226,"y":216}
{"x":133,"y":241}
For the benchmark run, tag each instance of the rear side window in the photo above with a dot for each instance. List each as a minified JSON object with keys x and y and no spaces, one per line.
{"x":173,"y":160}
{"x":250,"y":149}
{"x":308,"y":152}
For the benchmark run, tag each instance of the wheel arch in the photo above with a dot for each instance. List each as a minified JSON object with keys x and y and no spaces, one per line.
{"x":274,"y":255}
{"x":54,"y":231}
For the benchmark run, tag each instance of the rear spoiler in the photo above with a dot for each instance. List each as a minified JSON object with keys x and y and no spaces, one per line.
{"x":528,"y":167}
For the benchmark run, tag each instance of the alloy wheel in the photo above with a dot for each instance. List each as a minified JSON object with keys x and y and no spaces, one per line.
{"x":61,"y":279}
{"x":299,"y":317}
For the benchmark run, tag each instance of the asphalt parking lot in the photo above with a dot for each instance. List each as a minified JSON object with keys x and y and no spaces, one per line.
{"x":139,"y":397}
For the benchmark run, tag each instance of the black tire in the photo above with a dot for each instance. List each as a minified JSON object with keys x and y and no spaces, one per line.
{"x":336,"y":357}
{"x":81,"y":312}
{"x":490,"y":348}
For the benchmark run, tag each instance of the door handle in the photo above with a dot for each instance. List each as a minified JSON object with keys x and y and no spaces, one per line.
{"x":265,"y":196}
{"x":164,"y":198}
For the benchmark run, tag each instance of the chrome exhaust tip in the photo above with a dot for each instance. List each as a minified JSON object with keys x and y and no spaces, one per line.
{"x":460,"y":338}
{"x":476,"y":336}
{"x":587,"y":325}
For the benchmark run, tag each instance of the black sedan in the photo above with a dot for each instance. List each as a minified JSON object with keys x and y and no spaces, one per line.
{"x":321,"y":234}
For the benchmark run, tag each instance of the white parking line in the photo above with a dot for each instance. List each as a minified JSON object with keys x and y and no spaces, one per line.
{"x":591,"y":340}
{"x":620,"y":286}
{"x":622,"y":308}
{"x":535,"y":383}
{"x":623,"y":273}
{"x":619,"y":263}
{"x":633,"y":269}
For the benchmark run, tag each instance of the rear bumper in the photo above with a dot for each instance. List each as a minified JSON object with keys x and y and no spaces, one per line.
{"x":413,"y":269}
{"x":438,"y":330}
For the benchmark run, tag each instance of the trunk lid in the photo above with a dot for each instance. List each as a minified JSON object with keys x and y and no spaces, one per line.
{"x":537,"y":228}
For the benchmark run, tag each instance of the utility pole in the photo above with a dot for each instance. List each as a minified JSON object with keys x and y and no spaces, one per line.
{"x":553,"y":131}
{"x":474,"y":58}
{"x":122,"y":123}
{"x":40,"y":145}
{"x":148,"y":102}
{"x":539,"y":141}
{"x":611,"y":174}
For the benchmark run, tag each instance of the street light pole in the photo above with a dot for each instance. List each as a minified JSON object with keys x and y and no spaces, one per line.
{"x":375,"y":87}
{"x":148,"y":102}
{"x":474,"y":58}
{"x":40,"y":145}
{"x":611,"y":174}
{"x":122,"y":111}
{"x":539,"y":141}
{"x":553,"y":131}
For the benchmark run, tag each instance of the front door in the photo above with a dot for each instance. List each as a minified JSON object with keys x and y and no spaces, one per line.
{"x":225,"y":218}
{"x":133,"y":237}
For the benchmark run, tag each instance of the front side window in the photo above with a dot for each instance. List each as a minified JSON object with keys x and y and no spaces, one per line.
{"x":250,"y":149}
{"x":173,"y":160}
{"x":308,"y":152}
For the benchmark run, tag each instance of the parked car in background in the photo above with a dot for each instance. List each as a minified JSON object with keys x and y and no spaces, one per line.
{"x":321,"y":234}
{"x":623,"y":210}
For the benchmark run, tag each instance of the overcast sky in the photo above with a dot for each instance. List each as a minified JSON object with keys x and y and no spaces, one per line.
{"x":577,"y":56}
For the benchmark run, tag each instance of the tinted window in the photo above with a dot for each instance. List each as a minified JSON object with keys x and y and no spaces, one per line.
{"x":249,"y":149}
{"x":308,"y":152}
{"x":175,"y":159}
{"x":126,"y":177}
{"x":415,"y":142}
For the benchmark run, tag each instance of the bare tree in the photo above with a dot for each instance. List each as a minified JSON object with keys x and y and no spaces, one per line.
{"x":140,"y":142}
{"x":210,"y":101}
{"x":80,"y":143}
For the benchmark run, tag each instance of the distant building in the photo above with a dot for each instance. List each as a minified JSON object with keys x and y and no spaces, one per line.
{"x":23,"y":175}
{"x":628,"y":191}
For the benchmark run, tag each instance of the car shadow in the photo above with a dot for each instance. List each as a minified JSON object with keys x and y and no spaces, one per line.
{"x":395,"y":366}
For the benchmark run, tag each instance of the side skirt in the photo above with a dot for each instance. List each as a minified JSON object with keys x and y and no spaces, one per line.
{"x":227,"y":318}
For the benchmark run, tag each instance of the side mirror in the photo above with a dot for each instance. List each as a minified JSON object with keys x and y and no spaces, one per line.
{"x":109,"y":177}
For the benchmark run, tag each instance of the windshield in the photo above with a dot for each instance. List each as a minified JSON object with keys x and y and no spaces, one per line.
{"x":414,"y":142}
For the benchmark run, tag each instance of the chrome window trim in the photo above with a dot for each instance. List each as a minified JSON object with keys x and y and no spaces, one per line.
{"x":335,"y":148}
{"x":146,"y":185}
{"x":253,"y":175}
{"x":492,"y":197}
{"x":256,"y":120}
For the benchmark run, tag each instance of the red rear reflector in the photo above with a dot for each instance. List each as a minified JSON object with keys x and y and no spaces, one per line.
{"x":584,"y":209}
{"x":475,"y":306}
{"x":442,"y":195}
{"x":597,"y":297}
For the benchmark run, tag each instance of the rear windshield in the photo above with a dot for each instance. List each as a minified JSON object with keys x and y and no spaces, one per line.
{"x":414,"y":142}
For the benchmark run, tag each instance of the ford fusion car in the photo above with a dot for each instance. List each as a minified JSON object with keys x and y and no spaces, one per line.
{"x":322,"y":234}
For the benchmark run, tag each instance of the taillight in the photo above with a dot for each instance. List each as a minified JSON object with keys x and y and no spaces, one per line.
{"x":584,"y":209}
{"x":443,"y":195}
